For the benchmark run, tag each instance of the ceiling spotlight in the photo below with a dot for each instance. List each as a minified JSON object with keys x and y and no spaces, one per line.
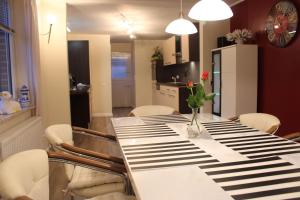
{"x":130,"y":31}
{"x":132,"y":36}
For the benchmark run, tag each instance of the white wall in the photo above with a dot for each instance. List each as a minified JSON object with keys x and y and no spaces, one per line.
{"x":100,"y":72}
{"x":209,"y":32}
{"x":143,"y":49}
{"x":54,"y":73}
{"x":121,"y":47}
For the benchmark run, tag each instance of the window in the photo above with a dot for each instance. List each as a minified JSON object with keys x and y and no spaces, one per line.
{"x":5,"y":57}
{"x":120,"y":64}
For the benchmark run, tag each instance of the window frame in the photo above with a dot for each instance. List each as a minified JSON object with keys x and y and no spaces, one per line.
{"x":10,"y":31}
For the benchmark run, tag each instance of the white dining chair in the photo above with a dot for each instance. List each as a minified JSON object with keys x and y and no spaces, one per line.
{"x":149,"y":110}
{"x":25,"y":175}
{"x":261,"y":121}
{"x":266,"y":123}
{"x":85,"y":182}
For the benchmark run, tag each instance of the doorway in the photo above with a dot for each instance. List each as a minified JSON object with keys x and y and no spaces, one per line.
{"x":122,"y":80}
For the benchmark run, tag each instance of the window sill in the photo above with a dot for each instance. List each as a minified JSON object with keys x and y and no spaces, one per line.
{"x":9,"y":121}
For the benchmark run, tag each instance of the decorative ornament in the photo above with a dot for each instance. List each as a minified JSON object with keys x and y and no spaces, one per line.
{"x":282,"y":23}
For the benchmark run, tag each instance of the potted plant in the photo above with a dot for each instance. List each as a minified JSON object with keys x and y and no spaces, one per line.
{"x":195,"y":101}
{"x":157,"y":55}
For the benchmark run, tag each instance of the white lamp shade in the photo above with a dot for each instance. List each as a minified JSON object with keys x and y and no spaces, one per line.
{"x":210,"y":10}
{"x":181,"y":26}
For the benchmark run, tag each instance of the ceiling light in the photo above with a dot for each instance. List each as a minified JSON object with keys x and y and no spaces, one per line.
{"x":68,"y":30}
{"x":132,"y":36}
{"x":181,"y":26}
{"x":210,"y":10}
{"x":130,"y":30}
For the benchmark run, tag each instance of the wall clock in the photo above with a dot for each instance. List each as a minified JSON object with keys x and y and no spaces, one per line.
{"x":282,"y":23}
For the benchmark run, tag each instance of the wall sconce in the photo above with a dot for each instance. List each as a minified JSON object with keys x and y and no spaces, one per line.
{"x":51,"y":19}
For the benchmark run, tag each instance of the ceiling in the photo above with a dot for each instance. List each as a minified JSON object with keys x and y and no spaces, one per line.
{"x":148,"y":17}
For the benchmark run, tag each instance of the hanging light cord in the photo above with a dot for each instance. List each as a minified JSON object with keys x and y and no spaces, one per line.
{"x":181,"y":13}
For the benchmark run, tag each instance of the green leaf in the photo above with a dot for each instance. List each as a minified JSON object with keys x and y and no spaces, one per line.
{"x":210,"y":96}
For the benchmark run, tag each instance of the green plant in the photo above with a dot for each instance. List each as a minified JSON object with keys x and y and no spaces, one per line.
{"x":157,"y":55}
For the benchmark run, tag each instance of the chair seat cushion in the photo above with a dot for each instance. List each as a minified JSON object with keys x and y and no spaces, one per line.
{"x":84,"y":177}
{"x":114,"y":196}
{"x":99,"y":190}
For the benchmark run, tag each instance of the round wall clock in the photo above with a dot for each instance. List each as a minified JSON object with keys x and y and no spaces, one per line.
{"x":282,"y":23}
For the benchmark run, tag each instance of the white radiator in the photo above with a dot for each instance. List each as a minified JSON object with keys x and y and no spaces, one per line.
{"x":27,"y":135}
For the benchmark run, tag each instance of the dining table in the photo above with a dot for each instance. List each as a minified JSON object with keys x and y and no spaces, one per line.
{"x":228,"y":160}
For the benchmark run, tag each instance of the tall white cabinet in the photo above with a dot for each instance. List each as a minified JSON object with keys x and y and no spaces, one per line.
{"x":234,"y":80}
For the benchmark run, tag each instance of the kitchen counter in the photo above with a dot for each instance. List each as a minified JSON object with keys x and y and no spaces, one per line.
{"x":172,"y":95}
{"x":177,"y":84}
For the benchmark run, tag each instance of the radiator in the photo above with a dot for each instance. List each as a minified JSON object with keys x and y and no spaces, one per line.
{"x":27,"y":135}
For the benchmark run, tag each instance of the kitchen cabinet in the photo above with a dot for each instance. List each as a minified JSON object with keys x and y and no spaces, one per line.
{"x":235,"y":80}
{"x":185,"y":51}
{"x":169,"y":96}
{"x":169,"y":51}
{"x":181,"y":49}
{"x":172,"y":96}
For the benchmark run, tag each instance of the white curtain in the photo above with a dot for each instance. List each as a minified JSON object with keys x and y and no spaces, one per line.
{"x":33,"y":53}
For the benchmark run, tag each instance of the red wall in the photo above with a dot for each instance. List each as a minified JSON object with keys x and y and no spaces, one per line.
{"x":279,"y":68}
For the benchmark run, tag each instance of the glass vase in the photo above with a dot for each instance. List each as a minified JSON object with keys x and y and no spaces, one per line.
{"x":195,"y":128}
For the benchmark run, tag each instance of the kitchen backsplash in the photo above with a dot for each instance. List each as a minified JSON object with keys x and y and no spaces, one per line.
{"x":186,"y":71}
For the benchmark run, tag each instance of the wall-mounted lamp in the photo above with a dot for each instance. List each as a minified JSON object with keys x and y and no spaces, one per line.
{"x":51,"y":19}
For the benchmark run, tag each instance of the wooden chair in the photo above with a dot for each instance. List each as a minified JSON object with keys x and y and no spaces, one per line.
{"x":25,"y":175}
{"x":149,"y":110}
{"x":60,"y":137}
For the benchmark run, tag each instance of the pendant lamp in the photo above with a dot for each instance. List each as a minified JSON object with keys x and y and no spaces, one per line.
{"x":210,"y":10}
{"x":181,"y":26}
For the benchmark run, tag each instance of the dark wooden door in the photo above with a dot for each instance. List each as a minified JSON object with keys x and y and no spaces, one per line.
{"x":79,"y":66}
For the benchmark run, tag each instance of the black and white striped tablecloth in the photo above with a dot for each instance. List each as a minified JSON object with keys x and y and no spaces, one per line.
{"x":165,"y":154}
{"x":255,"y":170}
{"x":164,"y":119}
{"x":144,"y":131}
{"x":253,"y":145}
{"x":263,"y":178}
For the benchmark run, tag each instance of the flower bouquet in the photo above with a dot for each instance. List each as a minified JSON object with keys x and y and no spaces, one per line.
{"x":239,"y":36}
{"x":195,"y":101}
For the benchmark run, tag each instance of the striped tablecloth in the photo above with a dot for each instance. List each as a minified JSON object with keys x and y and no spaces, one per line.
{"x":230,"y":161}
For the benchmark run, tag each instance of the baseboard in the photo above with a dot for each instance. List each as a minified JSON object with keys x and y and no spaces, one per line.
{"x":102,"y":114}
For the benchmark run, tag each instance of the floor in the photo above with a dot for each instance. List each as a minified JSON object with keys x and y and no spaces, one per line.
{"x":121,"y":112}
{"x":58,"y":179}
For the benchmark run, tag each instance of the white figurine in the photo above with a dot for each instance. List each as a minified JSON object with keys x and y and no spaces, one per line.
{"x":7,"y":104}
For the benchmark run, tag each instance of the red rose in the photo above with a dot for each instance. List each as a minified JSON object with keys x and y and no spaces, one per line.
{"x":204,"y":76}
{"x":190,"y":84}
